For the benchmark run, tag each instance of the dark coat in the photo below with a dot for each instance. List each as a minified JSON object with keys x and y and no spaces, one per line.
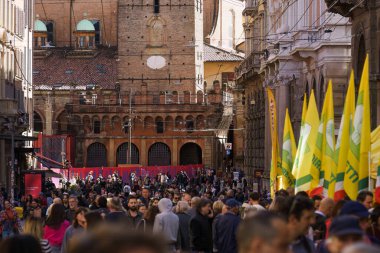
{"x":183,"y":241}
{"x":200,"y":233}
{"x":225,"y":233}
{"x":319,"y":227}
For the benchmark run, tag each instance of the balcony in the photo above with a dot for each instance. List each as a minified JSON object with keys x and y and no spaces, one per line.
{"x":251,"y":7}
{"x":8,"y":107}
{"x":343,"y":7}
{"x":249,"y":66}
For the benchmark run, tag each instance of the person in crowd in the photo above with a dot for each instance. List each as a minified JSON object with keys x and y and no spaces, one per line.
{"x":226,"y":227}
{"x":299,"y":211}
{"x":344,"y":231}
{"x":145,"y":196}
{"x":133,"y":215}
{"x":321,"y":215}
{"x":78,"y":226}
{"x":65,"y":200}
{"x":176,"y":198}
{"x":200,"y":227}
{"x":9,"y":221}
{"x":183,"y":240}
{"x":55,"y":227}
{"x":21,"y":244}
{"x":187,"y":197}
{"x":316,"y":201}
{"x":193,"y":206}
{"x":374,"y":229}
{"x":361,"y":248}
{"x":73,"y":206}
{"x":147,"y":223}
{"x":116,"y":210}
{"x":55,"y":201}
{"x":218,"y":209}
{"x":166,"y":223}
{"x":366,"y":198}
{"x":254,"y":201}
{"x":142,"y":209}
{"x":117,"y":239}
{"x":93,"y":220}
{"x":358,"y":210}
{"x":335,"y":212}
{"x":265,"y":232}
{"x":33,"y":226}
{"x":101,"y":205}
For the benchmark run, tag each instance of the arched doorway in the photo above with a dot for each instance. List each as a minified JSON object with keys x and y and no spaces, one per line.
{"x":159,"y":154}
{"x":121,"y":154}
{"x":96,"y":155}
{"x":38,"y":125}
{"x":190,"y":153}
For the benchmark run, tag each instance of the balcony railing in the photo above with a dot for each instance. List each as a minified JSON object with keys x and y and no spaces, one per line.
{"x":252,"y":62}
{"x":8,"y":107}
{"x":251,"y":7}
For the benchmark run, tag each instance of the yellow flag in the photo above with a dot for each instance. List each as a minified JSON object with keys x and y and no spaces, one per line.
{"x":289,"y":150}
{"x":275,"y":162}
{"x":357,"y":168}
{"x":328,"y":145}
{"x":305,"y":173}
{"x":343,"y":142}
{"x":296,"y":159}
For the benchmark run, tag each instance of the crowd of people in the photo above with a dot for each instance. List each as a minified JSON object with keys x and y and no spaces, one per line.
{"x":206,"y":213}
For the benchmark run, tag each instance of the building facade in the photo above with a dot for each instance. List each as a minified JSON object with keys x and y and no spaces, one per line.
{"x":16,"y":104}
{"x":295,"y":47}
{"x":365,"y":37}
{"x":126,"y":71}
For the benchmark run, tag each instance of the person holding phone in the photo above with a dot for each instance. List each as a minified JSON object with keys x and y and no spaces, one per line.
{"x":201,"y":228}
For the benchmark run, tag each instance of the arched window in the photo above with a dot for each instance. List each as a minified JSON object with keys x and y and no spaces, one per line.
{"x":122,"y":151}
{"x":159,"y":125}
{"x":37,"y":123}
{"x":190,"y":153}
{"x":179,"y":122}
{"x":159,"y":155}
{"x":156,"y":7}
{"x":189,"y":123}
{"x":96,"y":155}
{"x":360,"y":61}
{"x":230,"y":29}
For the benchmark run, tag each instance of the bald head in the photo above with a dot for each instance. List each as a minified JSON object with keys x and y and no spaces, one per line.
{"x":326,"y":206}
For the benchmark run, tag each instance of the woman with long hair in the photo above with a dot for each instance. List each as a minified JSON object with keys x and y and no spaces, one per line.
{"x":33,"y":226}
{"x":55,"y":227}
{"x":78,"y":226}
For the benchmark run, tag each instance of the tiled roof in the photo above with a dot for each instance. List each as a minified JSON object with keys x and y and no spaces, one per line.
{"x":59,"y":72}
{"x":212,"y":54}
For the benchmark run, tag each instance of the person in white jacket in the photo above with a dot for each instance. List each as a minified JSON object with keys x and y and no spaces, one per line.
{"x":166,"y":223}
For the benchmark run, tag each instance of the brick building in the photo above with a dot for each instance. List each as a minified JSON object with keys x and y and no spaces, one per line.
{"x":104,"y":70}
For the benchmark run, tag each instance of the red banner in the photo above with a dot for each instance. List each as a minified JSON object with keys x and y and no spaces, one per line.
{"x":33,"y":184}
{"x":139,"y":171}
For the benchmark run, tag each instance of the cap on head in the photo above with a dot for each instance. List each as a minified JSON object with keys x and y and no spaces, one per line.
{"x":345,"y":225}
{"x":354,"y":208}
{"x":232,"y":203}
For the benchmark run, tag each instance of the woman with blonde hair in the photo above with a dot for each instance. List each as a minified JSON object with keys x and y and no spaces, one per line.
{"x":33,"y":226}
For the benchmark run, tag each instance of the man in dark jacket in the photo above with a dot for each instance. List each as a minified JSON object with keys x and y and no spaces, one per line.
{"x":226,"y":226}
{"x":200,"y":228}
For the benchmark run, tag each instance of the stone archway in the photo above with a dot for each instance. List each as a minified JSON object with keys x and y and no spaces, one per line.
{"x":96,"y":155}
{"x":121,"y":154}
{"x":159,"y":155}
{"x":190,"y":153}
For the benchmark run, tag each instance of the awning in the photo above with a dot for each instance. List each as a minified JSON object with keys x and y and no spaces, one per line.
{"x":18,"y":137}
{"x":47,"y":162}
